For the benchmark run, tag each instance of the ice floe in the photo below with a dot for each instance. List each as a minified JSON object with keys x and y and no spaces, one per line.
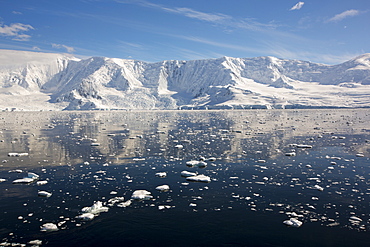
{"x":96,"y":208}
{"x":86,"y":216}
{"x":43,"y":182}
{"x":162,"y":207}
{"x":17,"y":154}
{"x":164,"y":187}
{"x":188,"y":174}
{"x":293,"y":222}
{"x":44,"y":193}
{"x":197,"y":163}
{"x":141,"y":195}
{"x":31,"y":177}
{"x":199,"y":178}
{"x":49,"y":227}
{"x":161,"y":174}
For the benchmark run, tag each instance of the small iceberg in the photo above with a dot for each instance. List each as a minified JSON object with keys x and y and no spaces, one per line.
{"x":355,"y":219}
{"x":318,"y":187}
{"x":86,"y":216}
{"x":141,"y":195}
{"x":124,"y":204}
{"x":199,"y":178}
{"x":162,"y":207}
{"x":31,"y":177}
{"x":115,"y":200}
{"x":44,"y":193}
{"x":198,"y":163}
{"x":164,"y":187}
{"x":49,"y":227}
{"x":35,"y":242}
{"x":188,"y":174}
{"x":17,"y":154}
{"x":161,"y":174}
{"x":96,"y":208}
{"x":293,"y":222}
{"x":43,"y":182}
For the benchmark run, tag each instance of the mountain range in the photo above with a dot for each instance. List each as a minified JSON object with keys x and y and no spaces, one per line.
{"x":49,"y":81}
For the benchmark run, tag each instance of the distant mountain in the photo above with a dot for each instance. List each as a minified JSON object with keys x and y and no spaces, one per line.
{"x":46,"y":81}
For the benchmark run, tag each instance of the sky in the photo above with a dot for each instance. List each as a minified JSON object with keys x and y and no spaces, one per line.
{"x":321,"y":31}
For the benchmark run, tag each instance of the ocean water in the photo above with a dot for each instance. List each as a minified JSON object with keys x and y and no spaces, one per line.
{"x":265,"y":167}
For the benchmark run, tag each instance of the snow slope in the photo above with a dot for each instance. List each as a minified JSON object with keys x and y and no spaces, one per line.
{"x":45,"y":81}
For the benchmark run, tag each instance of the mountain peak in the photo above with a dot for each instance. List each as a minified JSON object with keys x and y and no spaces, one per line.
{"x":59,"y":81}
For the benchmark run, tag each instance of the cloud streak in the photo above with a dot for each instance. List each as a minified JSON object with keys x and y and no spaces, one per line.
{"x":59,"y":46}
{"x":16,"y":31}
{"x":345,"y":14}
{"x":214,"y":18}
{"x":298,"y":6}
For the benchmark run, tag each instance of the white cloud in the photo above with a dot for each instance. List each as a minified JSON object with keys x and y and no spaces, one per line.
{"x":345,"y":14}
{"x":59,"y":46}
{"x":299,"y":5}
{"x":15,"y":31}
{"x":197,"y":14}
{"x":214,"y":18}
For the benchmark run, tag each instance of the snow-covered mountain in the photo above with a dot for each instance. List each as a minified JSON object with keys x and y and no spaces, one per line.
{"x":46,"y":81}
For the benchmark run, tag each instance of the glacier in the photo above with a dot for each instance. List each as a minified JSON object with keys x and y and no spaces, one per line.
{"x":49,"y":81}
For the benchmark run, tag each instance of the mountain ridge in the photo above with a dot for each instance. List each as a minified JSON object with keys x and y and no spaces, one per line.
{"x":52,"y":81}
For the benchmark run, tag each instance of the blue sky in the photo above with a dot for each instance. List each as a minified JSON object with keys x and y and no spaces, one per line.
{"x":323,"y":31}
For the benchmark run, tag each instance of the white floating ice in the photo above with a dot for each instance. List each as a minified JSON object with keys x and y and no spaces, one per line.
{"x":198,"y":163}
{"x":162,"y":207}
{"x":293,"y":222}
{"x":318,"y":187}
{"x":188,"y":174}
{"x":44,"y":193}
{"x":43,"y":182}
{"x":86,"y":216}
{"x":35,"y":242}
{"x":354,"y":218}
{"x":114,"y":200}
{"x":31,"y":177}
{"x":161,"y":174}
{"x":199,"y":178}
{"x":17,"y":154}
{"x":23,"y":181}
{"x":49,"y":227}
{"x":124,"y":204}
{"x":96,"y":208}
{"x":164,"y":187}
{"x":141,"y":195}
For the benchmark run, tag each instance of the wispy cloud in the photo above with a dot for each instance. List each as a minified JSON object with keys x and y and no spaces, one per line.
{"x":220,"y":44}
{"x":281,"y":51}
{"x":210,"y":17}
{"x":298,"y":6}
{"x":345,"y":14}
{"x":214,"y":18}
{"x":59,"y":46}
{"x":16,"y":31}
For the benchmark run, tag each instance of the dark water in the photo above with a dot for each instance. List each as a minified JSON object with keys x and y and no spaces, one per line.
{"x":254,"y":185}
